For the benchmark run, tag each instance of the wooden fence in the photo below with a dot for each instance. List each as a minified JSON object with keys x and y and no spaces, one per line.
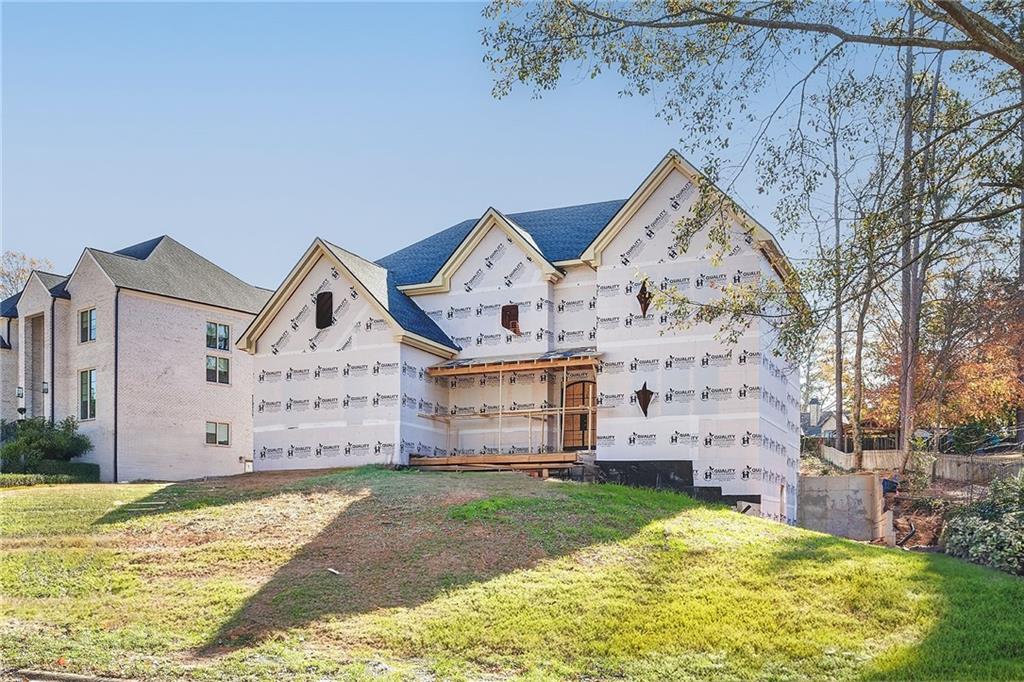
{"x":976,"y":469}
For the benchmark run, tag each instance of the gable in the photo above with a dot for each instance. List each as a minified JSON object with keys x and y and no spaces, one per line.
{"x":491,"y":222}
{"x":677,"y":171}
{"x":561,"y":234}
{"x":356,"y":322}
{"x":648,"y":237}
{"x":325,"y":262}
{"x":38,"y":292}
{"x":497,"y":262}
{"x":87,"y":274}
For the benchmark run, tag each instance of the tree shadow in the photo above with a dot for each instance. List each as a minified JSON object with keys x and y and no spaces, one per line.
{"x":221,"y":491}
{"x":407,"y":542}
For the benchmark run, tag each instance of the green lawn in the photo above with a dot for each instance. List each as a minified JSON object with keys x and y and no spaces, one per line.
{"x":370,"y":573}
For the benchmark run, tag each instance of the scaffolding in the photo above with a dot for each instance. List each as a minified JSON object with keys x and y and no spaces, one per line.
{"x":539,"y":460}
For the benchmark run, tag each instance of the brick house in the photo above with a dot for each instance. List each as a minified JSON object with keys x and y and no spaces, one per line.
{"x":136,"y":344}
{"x":527,"y":341}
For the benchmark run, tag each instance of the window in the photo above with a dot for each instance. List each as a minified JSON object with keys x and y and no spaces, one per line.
{"x":218,"y":336}
{"x":217,"y":370}
{"x":324,"y":309}
{"x":218,"y":433}
{"x":510,"y":318}
{"x":87,"y":394}
{"x":87,"y":325}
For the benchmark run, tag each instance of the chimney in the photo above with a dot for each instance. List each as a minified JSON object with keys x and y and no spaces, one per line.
{"x":815,"y":409}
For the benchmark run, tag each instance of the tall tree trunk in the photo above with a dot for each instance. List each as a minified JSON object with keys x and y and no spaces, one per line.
{"x":839,"y":294}
{"x":858,"y":368}
{"x":906,"y":294}
{"x":1020,"y":267}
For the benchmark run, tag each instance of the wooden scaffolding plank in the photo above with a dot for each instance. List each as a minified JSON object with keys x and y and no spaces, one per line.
{"x":538,"y":458}
{"x":518,"y":365}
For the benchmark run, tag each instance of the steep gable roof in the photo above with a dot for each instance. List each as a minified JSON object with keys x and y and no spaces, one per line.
{"x":560,"y":234}
{"x":375,"y":281}
{"x":9,"y":306}
{"x":165,"y":267}
{"x":381,"y":283}
{"x":56,"y":284}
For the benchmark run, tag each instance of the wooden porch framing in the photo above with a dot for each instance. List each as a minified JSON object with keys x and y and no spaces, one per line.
{"x":539,"y":464}
{"x":533,"y":461}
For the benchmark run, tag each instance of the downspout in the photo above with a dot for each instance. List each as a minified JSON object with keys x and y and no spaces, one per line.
{"x":53,"y":346}
{"x":117,"y":298}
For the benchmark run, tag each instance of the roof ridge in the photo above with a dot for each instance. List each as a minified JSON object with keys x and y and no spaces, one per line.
{"x":207,"y":260}
{"x":354,"y":255}
{"x":560,"y":208}
{"x":112,"y":253}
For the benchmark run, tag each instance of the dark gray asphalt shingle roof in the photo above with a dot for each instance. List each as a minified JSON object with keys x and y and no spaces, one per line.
{"x":55,"y":283}
{"x":165,"y":267}
{"x":9,"y":306}
{"x":381,"y":283}
{"x":560,"y":234}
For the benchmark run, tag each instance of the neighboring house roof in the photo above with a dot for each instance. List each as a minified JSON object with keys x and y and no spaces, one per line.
{"x":165,"y":267}
{"x":381,"y":283}
{"x":9,"y":306}
{"x":560,"y":234}
{"x":55,"y":283}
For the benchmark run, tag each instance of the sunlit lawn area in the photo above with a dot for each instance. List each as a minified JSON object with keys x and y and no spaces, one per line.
{"x":371,"y":573}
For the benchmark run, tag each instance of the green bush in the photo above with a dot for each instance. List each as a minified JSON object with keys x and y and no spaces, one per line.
{"x":991,"y":531}
{"x":81,"y":472}
{"x":15,"y":480}
{"x":35,"y":440}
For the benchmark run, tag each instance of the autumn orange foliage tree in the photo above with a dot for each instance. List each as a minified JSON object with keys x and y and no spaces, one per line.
{"x":967,"y":372}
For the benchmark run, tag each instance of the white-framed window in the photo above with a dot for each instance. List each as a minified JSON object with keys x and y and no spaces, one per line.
{"x":87,"y":325}
{"x":218,"y":336}
{"x":218,"y":370}
{"x":218,"y":433}
{"x":87,"y":394}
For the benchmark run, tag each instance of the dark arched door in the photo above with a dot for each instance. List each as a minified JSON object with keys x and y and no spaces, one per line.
{"x":580,"y":426}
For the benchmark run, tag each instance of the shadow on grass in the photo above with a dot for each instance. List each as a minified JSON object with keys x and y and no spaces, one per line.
{"x":965,"y":620}
{"x":416,"y":536}
{"x":222,"y":491}
{"x":404,"y":538}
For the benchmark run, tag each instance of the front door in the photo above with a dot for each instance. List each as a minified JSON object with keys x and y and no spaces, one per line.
{"x":580,"y":427}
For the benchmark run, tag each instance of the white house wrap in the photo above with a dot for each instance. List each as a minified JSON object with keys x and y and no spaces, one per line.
{"x":391,"y":375}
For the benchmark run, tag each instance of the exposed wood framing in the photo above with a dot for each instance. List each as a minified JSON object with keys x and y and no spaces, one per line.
{"x":514,"y":365}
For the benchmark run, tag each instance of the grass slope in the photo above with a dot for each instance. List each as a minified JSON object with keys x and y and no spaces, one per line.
{"x":472,"y":576}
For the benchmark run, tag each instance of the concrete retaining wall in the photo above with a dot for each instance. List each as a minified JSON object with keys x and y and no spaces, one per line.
{"x":848,"y":506}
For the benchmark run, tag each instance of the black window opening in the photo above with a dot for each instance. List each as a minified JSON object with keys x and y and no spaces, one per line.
{"x":324,"y":309}
{"x":510,"y":318}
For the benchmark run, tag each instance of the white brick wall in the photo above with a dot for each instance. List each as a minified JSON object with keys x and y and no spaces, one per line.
{"x":35,"y":301}
{"x":164,"y":400}
{"x":89,"y":288}
{"x":9,"y":370}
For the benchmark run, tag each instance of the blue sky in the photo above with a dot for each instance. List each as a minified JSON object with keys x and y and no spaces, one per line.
{"x":268,"y":124}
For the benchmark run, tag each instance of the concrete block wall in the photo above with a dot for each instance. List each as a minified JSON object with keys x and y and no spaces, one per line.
{"x":849,"y":506}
